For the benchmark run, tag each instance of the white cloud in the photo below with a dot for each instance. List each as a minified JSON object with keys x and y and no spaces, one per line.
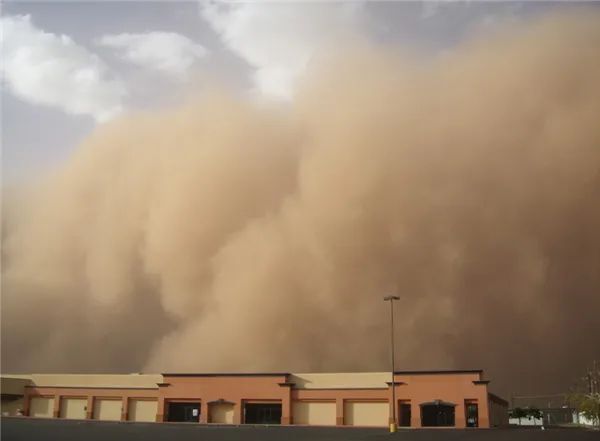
{"x":432,"y":7}
{"x":279,"y":39}
{"x":511,"y":15}
{"x":164,"y":52}
{"x":52,"y":70}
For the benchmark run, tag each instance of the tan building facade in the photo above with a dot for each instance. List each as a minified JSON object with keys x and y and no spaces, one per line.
{"x":424,"y":399}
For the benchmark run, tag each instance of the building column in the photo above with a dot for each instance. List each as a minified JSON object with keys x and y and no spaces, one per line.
{"x":339,"y":412}
{"x":203,"y":412}
{"x":238,"y":409}
{"x":125,"y":408}
{"x":286,"y":414}
{"x":286,"y":407}
{"x":56,"y":411}
{"x":89,"y":408}
{"x":287,"y":417}
{"x":160,"y":412}
{"x":391,"y":409}
{"x":26,"y":403}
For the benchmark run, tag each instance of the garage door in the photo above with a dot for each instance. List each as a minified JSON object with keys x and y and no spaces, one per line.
{"x":366,"y":414}
{"x":221,"y":413}
{"x":41,"y":407}
{"x":142,"y":410}
{"x":73,"y":408}
{"x":108,"y":410}
{"x":314,"y":414}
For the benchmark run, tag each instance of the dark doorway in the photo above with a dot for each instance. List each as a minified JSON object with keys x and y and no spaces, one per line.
{"x":262,"y":413}
{"x":405,"y":414}
{"x":184,"y":412}
{"x":472,"y":410}
{"x":438,"y":414}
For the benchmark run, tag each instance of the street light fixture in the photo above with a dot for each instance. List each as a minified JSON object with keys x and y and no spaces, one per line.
{"x":391,"y":299}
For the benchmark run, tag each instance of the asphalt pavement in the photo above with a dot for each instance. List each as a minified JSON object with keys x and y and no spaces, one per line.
{"x":30,"y":429}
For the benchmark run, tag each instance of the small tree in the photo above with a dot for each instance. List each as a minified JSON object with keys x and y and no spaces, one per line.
{"x":588,"y":404}
{"x":518,"y":413}
{"x":534,"y":413}
{"x":586,"y":397}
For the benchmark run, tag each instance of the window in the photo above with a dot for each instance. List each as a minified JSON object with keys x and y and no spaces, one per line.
{"x":184,"y":412}
{"x":262,"y":413}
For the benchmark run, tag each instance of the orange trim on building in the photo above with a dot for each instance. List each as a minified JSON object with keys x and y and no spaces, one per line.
{"x":235,"y":394}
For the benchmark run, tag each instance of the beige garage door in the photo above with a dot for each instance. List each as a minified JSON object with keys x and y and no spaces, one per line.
{"x":41,"y":407}
{"x":107,"y":410}
{"x":366,"y":414}
{"x":221,"y":413}
{"x":142,"y":410}
{"x":73,"y":408}
{"x":314,"y":413}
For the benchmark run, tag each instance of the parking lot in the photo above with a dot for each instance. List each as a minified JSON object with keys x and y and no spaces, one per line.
{"x":28,"y":429}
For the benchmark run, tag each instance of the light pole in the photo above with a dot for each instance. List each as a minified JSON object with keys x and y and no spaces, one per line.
{"x":391,"y":300}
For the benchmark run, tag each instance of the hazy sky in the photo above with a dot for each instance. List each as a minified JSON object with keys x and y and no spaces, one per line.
{"x":67,"y":66}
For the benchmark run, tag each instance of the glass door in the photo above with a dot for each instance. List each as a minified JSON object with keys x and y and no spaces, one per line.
{"x":472,"y":415}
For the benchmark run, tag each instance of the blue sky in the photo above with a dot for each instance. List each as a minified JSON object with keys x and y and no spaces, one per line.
{"x":68,"y":66}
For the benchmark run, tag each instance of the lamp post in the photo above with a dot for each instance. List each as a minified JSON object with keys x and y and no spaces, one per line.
{"x":391,"y":299}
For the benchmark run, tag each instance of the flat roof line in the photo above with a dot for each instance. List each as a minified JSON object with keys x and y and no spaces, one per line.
{"x":235,"y":374}
{"x":453,"y":371}
{"x":282,"y":374}
{"x":255,"y":374}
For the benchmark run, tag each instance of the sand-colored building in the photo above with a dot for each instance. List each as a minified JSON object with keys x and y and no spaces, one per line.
{"x":424,"y":398}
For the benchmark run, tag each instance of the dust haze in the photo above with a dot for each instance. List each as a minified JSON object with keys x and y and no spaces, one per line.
{"x":226,"y":236}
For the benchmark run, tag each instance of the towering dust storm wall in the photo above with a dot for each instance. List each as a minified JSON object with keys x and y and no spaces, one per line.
{"x":226,"y":236}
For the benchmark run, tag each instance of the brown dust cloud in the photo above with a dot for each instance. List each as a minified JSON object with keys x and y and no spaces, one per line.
{"x":226,"y":236}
